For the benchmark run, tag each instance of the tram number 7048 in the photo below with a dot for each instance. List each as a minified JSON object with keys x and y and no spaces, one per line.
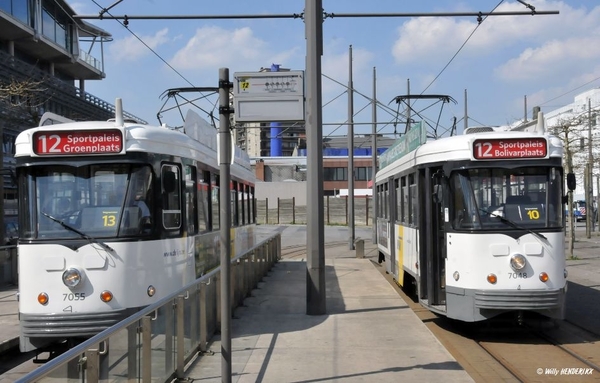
{"x":517,"y":275}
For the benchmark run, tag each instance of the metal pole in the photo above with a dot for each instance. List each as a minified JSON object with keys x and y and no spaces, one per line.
{"x":589,"y":210}
{"x":466,"y":118}
{"x":225,"y":219}
{"x":586,"y":188}
{"x":597,"y":201}
{"x":315,"y":234}
{"x":374,"y":154}
{"x":350,"y":152}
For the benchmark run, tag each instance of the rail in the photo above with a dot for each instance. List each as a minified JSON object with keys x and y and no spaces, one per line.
{"x":157,"y":342}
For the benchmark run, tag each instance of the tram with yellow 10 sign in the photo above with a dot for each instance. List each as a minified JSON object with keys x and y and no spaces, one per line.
{"x":473,"y":225}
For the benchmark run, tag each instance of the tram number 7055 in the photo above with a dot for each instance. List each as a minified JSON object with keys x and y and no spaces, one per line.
{"x":74,"y":297}
{"x":517,"y":275}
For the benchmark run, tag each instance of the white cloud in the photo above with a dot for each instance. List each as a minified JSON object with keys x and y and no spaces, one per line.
{"x":213,"y":47}
{"x":131,"y":49}
{"x":551,"y":59}
{"x":427,"y":38}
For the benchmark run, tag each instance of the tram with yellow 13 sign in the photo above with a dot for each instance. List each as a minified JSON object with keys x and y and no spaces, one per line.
{"x":473,"y":225}
{"x":114,"y":216}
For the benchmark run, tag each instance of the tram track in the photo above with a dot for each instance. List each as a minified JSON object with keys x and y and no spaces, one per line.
{"x":296,"y":252}
{"x":504,"y":350}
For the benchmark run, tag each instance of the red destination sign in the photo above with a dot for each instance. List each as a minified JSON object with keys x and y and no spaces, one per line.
{"x":79,"y":142}
{"x":509,"y":148}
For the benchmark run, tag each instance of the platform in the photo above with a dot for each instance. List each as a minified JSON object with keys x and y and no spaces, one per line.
{"x":368,"y":333}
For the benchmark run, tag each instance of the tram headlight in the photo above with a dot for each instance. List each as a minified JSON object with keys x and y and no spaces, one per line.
{"x":151,"y":291}
{"x":456,"y":275}
{"x":518,"y":262}
{"x":72,"y":277}
{"x":566,"y":273}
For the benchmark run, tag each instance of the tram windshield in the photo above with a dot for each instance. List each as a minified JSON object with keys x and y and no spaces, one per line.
{"x":101,"y":201}
{"x":486,"y":199}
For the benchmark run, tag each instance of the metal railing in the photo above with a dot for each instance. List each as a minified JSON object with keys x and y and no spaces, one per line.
{"x":157,"y":342}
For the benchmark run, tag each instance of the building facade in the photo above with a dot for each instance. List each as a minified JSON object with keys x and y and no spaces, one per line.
{"x":43,"y":68}
{"x":576,"y":123}
{"x":335,"y":164}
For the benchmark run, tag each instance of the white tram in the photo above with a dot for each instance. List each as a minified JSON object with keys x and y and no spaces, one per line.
{"x":473,"y":225}
{"x":114,"y":216}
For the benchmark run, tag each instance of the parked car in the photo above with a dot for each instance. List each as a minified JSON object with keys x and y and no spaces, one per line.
{"x":579,"y":210}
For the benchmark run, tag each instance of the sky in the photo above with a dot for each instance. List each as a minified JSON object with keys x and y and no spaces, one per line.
{"x":497,"y":69}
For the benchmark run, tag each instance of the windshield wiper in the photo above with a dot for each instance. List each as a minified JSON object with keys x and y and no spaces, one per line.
{"x":83,"y":235}
{"x":514,"y":225}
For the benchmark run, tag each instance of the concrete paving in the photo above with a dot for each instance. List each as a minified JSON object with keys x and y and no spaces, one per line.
{"x":368,"y":333}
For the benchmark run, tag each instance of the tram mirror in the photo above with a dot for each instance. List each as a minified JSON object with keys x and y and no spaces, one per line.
{"x":169,"y":182}
{"x":571,"y":181}
{"x":438,"y":193}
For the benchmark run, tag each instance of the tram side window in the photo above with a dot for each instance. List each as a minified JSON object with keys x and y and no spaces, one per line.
{"x":386,"y":206}
{"x":216,"y":220}
{"x":140,"y":197}
{"x":233,"y":197}
{"x":398,"y":199}
{"x":249,"y":214}
{"x":404,"y":200}
{"x":190,"y":200}
{"x":252,"y":206}
{"x":245,"y":205}
{"x":381,"y":202}
{"x":378,"y":206}
{"x":412,"y":218}
{"x":171,"y":194}
{"x":242,"y":205}
{"x":203,"y":201}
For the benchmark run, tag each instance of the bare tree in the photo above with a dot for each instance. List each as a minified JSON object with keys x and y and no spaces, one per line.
{"x":574,"y":131}
{"x":21,"y":102}
{"x":20,"y":106}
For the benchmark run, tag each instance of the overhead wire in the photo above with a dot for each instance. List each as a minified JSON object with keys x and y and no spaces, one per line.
{"x":124,"y":25}
{"x":480,"y":21}
{"x":570,"y":91}
{"x":146,"y":45}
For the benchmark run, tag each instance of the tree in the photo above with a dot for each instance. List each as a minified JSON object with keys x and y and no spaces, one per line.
{"x":574,"y":130}
{"x":21,"y":102}
{"x":20,"y":106}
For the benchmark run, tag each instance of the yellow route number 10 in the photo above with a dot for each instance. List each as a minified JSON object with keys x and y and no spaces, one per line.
{"x":533,"y":214}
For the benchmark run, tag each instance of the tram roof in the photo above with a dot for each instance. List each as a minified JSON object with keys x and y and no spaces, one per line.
{"x":456,"y":148}
{"x":148,"y":138}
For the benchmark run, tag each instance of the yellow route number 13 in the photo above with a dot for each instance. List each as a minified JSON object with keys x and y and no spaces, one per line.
{"x":109,"y":219}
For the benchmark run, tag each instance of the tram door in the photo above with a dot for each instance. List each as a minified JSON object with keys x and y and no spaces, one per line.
{"x":392,"y":205}
{"x":433,"y":258}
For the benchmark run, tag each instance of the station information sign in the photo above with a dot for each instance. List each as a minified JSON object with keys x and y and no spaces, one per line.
{"x":268,"y":96}
{"x":509,"y":148}
{"x":81,"y":142}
